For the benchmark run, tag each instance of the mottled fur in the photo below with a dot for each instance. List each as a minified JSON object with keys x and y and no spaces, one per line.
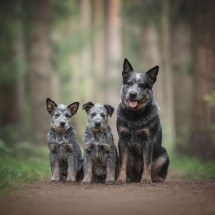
{"x":142,"y":157}
{"x":65,"y":154}
{"x":100,"y":153}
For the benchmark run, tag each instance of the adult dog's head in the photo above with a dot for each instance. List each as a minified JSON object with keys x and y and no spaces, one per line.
{"x":136,"y":91}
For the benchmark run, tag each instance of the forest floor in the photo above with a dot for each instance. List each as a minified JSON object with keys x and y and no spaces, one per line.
{"x":176,"y":195}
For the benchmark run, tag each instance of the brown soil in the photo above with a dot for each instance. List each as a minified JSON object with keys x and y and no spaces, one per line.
{"x":174,"y":196}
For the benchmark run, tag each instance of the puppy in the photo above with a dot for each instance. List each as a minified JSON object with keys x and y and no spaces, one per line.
{"x":100,"y":153}
{"x":65,"y":154}
{"x":142,"y":157}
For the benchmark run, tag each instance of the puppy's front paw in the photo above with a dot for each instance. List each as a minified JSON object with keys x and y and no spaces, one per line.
{"x":86,"y":181}
{"x":109,"y":181}
{"x":146,"y":180}
{"x":70,"y":179}
{"x":55,"y":178}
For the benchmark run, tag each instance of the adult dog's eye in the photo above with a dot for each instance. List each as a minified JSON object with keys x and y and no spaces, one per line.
{"x":144,"y":86}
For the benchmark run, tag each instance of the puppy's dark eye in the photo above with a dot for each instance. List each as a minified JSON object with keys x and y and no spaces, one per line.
{"x":103,"y":115}
{"x":67,"y":115}
{"x":129,"y":83}
{"x":57,"y":115}
{"x":92,"y":115}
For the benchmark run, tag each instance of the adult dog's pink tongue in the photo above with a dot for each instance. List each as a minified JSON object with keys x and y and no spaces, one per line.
{"x":132,"y":104}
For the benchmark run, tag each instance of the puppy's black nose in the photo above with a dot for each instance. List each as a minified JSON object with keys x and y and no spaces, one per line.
{"x":97,"y":124}
{"x":62,"y":124}
{"x":133,"y":94}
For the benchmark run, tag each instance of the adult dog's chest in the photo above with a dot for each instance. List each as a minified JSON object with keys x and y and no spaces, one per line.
{"x":133,"y":129}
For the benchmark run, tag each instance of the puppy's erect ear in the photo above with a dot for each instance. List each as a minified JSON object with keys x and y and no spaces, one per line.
{"x":110,"y":109}
{"x":127,"y":68}
{"x":73,"y":107}
{"x":87,"y":106}
{"x":152,"y":73}
{"x":50,"y":105}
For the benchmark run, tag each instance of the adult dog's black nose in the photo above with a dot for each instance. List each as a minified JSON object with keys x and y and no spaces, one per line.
{"x":62,"y":124}
{"x":133,"y":94}
{"x":97,"y":124}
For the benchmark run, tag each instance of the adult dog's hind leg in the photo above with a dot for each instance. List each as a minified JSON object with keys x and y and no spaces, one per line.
{"x":160,"y":167}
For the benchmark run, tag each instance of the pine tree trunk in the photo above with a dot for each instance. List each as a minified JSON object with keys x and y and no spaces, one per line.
{"x":86,"y":16}
{"x":114,"y":51}
{"x":99,"y":50}
{"x":20,"y":76}
{"x":168,"y":72}
{"x":115,"y":60}
{"x":40,"y":52}
{"x":202,"y":143}
{"x":151,"y":58}
{"x":182,"y":58}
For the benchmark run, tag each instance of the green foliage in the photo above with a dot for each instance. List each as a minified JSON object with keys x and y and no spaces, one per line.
{"x":210,"y":98}
{"x":23,"y":164}
{"x":7,"y":37}
{"x":193,"y":168}
{"x":142,"y":12}
{"x":64,"y":9}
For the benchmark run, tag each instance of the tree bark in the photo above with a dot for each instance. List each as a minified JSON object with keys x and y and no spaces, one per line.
{"x":114,"y":41}
{"x":99,"y":50}
{"x":168,"y":73}
{"x":182,"y":59}
{"x":114,"y":59}
{"x":202,"y":143}
{"x":87,"y":65}
{"x":40,"y":52}
{"x":152,"y":58}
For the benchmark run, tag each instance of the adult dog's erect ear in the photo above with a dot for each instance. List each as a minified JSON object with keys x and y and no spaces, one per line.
{"x":87,"y":106}
{"x":50,"y":105}
{"x":152,"y":73}
{"x":127,"y":68}
{"x":73,"y":107}
{"x":110,"y":109}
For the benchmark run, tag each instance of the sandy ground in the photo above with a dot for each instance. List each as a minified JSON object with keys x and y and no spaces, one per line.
{"x":174,"y":196}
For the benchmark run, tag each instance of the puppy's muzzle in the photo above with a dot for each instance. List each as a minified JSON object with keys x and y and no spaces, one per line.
{"x":97,"y":124}
{"x":62,"y":124}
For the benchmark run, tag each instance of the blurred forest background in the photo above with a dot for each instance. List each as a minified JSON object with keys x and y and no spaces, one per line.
{"x":73,"y":50}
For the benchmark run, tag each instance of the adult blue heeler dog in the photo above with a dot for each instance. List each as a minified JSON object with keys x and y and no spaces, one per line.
{"x":65,"y":154}
{"x":142,"y":157}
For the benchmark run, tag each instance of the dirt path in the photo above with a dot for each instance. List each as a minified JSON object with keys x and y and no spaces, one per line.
{"x":170,"y":197}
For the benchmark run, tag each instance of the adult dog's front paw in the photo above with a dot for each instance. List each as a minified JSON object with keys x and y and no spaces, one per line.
{"x":120,"y":180}
{"x":157,"y":179}
{"x":146,"y":180}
